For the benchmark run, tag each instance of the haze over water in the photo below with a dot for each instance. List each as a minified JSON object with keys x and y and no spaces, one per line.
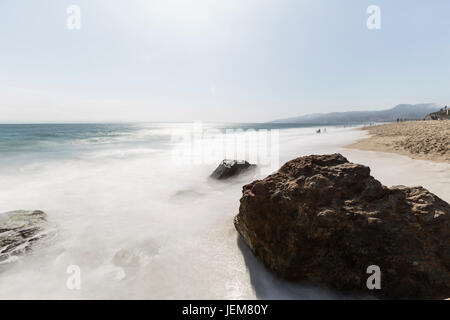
{"x":137,"y":224}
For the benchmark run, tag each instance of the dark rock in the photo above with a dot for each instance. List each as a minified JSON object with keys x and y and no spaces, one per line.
{"x":19,"y":230}
{"x":231,"y":168}
{"x":324,"y":220}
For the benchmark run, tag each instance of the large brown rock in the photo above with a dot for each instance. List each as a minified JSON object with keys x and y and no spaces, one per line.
{"x":321,"y":219}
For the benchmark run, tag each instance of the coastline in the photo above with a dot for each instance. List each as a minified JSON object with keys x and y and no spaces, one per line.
{"x":422,"y":140}
{"x":148,"y":251}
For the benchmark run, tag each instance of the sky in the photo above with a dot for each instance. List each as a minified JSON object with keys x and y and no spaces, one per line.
{"x":218,"y":60}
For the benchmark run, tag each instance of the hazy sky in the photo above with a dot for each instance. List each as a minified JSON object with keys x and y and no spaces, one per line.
{"x":218,"y":60}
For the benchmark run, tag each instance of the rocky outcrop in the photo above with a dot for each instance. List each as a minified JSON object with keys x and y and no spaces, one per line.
{"x":442,"y":114}
{"x":231,"y":168}
{"x":324,"y":220}
{"x":19,"y":230}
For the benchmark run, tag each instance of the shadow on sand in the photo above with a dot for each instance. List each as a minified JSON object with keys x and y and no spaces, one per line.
{"x":268,"y":286}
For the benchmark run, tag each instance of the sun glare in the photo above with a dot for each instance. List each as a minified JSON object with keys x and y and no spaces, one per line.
{"x":187,"y":15}
{"x":183,"y":14}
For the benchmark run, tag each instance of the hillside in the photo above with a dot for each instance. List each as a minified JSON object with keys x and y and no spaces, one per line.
{"x":401,"y":111}
{"x":442,"y":114}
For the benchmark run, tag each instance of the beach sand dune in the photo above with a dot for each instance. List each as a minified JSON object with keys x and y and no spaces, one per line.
{"x":427,"y":140}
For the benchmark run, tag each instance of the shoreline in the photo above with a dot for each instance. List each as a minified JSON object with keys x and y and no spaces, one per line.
{"x":420,"y":140}
{"x":160,"y":235}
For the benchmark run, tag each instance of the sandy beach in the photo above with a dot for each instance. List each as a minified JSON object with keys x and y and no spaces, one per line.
{"x":426,"y":140}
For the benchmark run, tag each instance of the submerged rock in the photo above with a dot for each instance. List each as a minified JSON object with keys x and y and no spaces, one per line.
{"x":185,"y":196}
{"x":323,"y":220}
{"x":19,"y":230}
{"x":231,"y":168}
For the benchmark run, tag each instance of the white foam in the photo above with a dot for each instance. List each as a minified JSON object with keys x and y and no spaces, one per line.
{"x":118,"y":222}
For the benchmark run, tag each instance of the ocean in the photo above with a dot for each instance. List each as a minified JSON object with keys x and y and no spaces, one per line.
{"x":134,"y":209}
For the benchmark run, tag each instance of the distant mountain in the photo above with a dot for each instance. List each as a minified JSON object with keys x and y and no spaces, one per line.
{"x":402,"y":111}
